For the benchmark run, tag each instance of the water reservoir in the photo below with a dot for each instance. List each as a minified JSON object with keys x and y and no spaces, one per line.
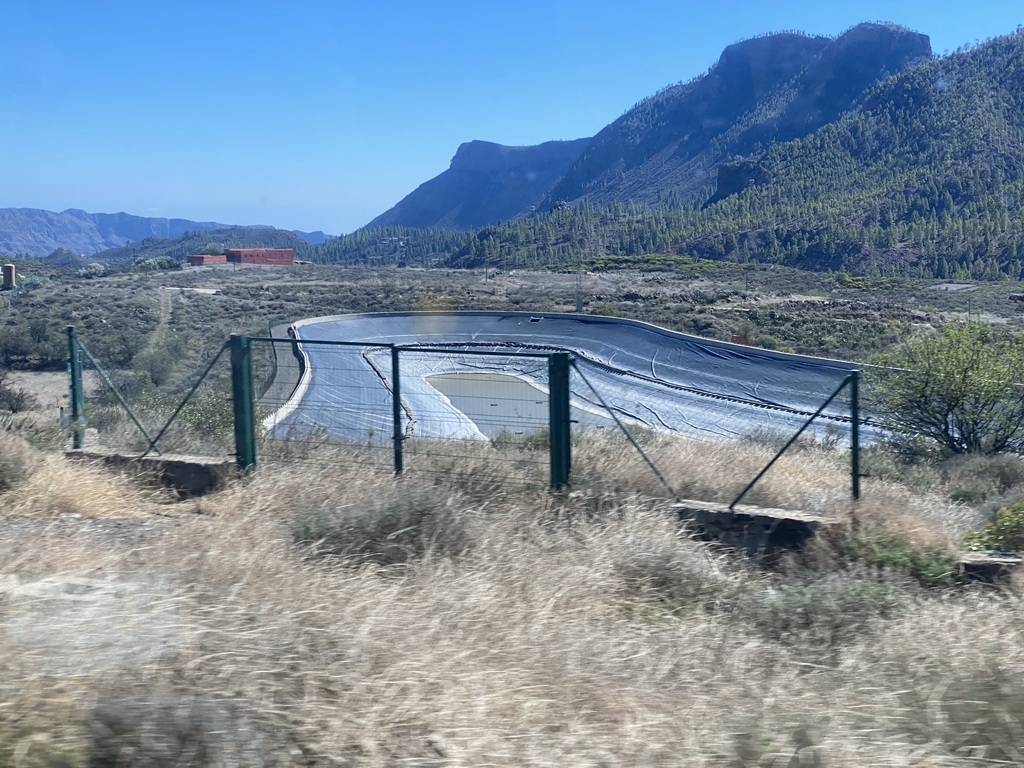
{"x":499,"y":403}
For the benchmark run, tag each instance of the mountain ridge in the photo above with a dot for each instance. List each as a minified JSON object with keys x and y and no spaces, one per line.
{"x":36,"y":232}
{"x":486,"y":182}
{"x":667,"y":148}
{"x":922,"y":177}
{"x":762,"y":91}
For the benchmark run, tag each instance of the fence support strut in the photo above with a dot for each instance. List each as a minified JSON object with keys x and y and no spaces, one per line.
{"x":242,"y":402}
{"x":852,"y":380}
{"x":559,"y":419}
{"x":77,"y":391}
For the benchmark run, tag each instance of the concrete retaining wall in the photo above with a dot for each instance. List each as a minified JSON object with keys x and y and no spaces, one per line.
{"x":188,"y":475}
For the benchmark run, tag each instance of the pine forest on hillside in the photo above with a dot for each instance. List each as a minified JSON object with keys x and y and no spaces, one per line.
{"x":925,"y":178}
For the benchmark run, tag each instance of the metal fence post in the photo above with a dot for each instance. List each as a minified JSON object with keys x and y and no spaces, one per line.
{"x":559,"y":419}
{"x":855,"y":433}
{"x":397,"y":433}
{"x":242,"y":401}
{"x":77,"y":391}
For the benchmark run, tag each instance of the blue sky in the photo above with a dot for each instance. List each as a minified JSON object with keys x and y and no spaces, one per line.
{"x":309,"y":114}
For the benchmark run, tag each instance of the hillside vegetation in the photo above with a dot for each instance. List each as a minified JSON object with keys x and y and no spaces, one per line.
{"x":769,"y":89}
{"x":924,"y":177}
{"x":181,"y":247}
{"x":667,"y":148}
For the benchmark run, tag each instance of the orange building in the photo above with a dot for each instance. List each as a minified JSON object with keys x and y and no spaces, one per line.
{"x":199,"y":259}
{"x":276,"y":256}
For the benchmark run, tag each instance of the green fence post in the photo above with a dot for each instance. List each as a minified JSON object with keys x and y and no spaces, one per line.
{"x":77,"y":391}
{"x":242,"y":402}
{"x":559,"y":419}
{"x":855,"y":433}
{"x":397,"y":432}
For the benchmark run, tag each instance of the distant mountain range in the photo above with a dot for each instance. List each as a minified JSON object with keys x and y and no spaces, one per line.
{"x":668,"y":148}
{"x":35,"y":233}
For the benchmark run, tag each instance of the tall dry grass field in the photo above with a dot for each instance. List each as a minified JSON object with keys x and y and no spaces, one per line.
{"x":317,"y":614}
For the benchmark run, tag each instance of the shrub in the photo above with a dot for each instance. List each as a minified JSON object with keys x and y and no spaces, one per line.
{"x":958,"y":388}
{"x":1004,"y":471}
{"x":901,"y":464}
{"x":877,"y":547}
{"x":673,"y":570}
{"x":170,"y":729}
{"x":17,"y":461}
{"x":537,"y":440}
{"x":975,"y":479}
{"x":823,"y":614}
{"x":105,"y":418}
{"x":15,"y":399}
{"x":1005,"y":534}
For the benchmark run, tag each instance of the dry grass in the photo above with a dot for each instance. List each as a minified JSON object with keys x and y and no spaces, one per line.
{"x":59,"y":486}
{"x":810,"y":477}
{"x":515,"y":629}
{"x":39,"y":484}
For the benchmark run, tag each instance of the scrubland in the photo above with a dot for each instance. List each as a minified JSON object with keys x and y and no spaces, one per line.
{"x":321,"y":613}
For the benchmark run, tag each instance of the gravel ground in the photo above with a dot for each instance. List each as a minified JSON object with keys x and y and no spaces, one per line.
{"x":128,"y":529}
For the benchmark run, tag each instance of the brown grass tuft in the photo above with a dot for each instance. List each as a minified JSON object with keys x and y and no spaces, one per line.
{"x":58,"y":486}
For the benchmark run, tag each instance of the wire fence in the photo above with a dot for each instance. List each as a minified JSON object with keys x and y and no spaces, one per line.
{"x":485,"y":415}
{"x":124,"y":411}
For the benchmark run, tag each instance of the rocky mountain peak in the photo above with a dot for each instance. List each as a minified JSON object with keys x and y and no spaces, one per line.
{"x":486,"y":182}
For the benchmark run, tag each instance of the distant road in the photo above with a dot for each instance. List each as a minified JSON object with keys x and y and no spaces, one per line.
{"x":649,"y":375}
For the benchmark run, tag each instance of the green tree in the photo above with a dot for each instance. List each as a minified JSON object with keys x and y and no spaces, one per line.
{"x":961,"y":388}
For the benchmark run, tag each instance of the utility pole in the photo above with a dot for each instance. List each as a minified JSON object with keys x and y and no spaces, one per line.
{"x":579,"y":293}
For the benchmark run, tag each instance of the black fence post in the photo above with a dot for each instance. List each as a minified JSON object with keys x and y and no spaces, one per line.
{"x":559,"y":419}
{"x":855,"y":433}
{"x":242,"y":401}
{"x":397,"y":432}
{"x":77,"y":391}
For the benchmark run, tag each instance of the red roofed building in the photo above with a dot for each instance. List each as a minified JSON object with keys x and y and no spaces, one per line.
{"x":277,"y":256}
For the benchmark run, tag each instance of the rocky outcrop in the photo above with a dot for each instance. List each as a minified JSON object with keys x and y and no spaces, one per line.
{"x":735,"y":176}
{"x":764,"y":90}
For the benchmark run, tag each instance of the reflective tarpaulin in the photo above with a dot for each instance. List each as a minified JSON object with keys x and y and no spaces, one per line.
{"x":651,"y":376}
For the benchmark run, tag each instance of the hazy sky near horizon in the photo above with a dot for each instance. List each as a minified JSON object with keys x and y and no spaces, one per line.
{"x":318,"y":114}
